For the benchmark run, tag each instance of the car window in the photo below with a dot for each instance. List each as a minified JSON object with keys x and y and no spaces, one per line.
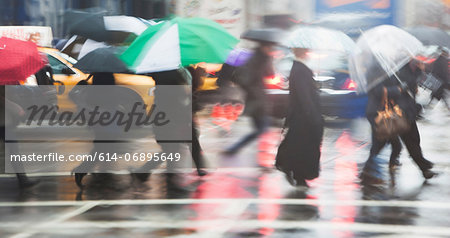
{"x":68,"y":58}
{"x":57,"y":66}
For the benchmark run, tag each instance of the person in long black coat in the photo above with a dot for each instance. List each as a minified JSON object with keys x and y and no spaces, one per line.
{"x":403,"y":94}
{"x":299,"y":153}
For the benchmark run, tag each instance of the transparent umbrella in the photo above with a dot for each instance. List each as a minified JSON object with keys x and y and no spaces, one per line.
{"x":319,"y":38}
{"x":379,"y":53}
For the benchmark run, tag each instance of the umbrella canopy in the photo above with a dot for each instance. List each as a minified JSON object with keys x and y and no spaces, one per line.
{"x":319,"y":38}
{"x":20,"y":59}
{"x":102,"y":60}
{"x":85,"y":23}
{"x":60,"y":44}
{"x":270,"y":35}
{"x":78,"y":46}
{"x":126,"y":24}
{"x":179,"y":42}
{"x":380,"y":52}
{"x":431,"y":36}
{"x":99,"y":27}
{"x":238,"y":57}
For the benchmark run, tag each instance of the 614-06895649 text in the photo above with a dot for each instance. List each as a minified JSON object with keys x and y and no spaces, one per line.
{"x":97,"y":157}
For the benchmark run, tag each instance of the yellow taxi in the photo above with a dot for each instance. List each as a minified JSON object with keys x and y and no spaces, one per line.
{"x":65,"y":74}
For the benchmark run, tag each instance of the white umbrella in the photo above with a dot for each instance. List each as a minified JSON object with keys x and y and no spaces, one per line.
{"x":78,"y":46}
{"x":379,"y":53}
{"x":125,"y":24}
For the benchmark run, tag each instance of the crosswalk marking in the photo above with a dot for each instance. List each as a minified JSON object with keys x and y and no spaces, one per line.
{"x":245,"y":224}
{"x":314,"y":202}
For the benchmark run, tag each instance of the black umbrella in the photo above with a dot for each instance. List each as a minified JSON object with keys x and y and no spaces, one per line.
{"x":78,"y":46}
{"x":271,"y":35}
{"x":91,"y":24}
{"x":431,"y":36}
{"x":102,"y":60}
{"x":73,"y":46}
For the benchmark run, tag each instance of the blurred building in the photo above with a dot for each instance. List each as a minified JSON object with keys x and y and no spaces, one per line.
{"x":50,"y":12}
{"x":350,"y":16}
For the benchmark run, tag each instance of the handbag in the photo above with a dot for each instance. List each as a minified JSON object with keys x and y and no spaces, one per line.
{"x":391,"y":121}
{"x":430,"y":82}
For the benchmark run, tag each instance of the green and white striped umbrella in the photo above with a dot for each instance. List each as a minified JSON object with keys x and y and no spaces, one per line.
{"x":179,"y":42}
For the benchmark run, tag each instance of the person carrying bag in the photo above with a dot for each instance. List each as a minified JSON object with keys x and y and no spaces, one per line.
{"x":392,"y":112}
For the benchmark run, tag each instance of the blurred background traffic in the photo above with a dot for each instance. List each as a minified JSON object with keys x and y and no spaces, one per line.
{"x":329,"y":62}
{"x":242,"y":194}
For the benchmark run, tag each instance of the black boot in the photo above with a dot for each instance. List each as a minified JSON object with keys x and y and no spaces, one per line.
{"x":142,"y":177}
{"x":201,"y":172}
{"x":79,"y":178}
{"x":394,"y":163}
{"x":140,"y":174}
{"x":25,"y":182}
{"x":427,"y":174}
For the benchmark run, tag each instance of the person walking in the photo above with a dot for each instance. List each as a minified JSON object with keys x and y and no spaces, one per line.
{"x":85,"y":97}
{"x":402,"y":94}
{"x":298,"y":155}
{"x":250,"y":77}
{"x":11,"y":114}
{"x":196,"y":150}
{"x":162,"y":80}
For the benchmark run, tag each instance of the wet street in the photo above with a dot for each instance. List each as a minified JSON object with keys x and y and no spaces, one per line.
{"x":243,"y":196}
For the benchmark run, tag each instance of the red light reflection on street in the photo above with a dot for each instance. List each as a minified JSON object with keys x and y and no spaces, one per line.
{"x":219,"y":186}
{"x":224,"y":115}
{"x":268,"y":146}
{"x":345,"y":145}
{"x":345,"y":170}
{"x":269,"y":188}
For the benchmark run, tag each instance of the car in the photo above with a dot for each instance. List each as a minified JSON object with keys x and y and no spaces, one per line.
{"x":338,"y":94}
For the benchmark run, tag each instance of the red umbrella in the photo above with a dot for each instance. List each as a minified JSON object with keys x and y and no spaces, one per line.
{"x":18,"y":60}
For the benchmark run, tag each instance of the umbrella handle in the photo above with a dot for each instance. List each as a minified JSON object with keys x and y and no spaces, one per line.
{"x":401,"y":83}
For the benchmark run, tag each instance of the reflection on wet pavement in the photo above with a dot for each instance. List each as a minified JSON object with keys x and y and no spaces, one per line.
{"x":243,"y":196}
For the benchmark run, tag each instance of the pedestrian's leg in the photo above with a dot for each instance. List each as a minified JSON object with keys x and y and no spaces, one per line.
{"x":144,"y":172}
{"x":411,"y":139}
{"x":371,"y":168}
{"x":260,"y":123}
{"x":196,"y":150}
{"x":396,"y":149}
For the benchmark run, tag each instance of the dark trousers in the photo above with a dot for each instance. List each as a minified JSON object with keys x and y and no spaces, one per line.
{"x":260,"y":123}
{"x":396,"y":148}
{"x":411,"y":139}
{"x":195,"y":148}
{"x":13,"y":149}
